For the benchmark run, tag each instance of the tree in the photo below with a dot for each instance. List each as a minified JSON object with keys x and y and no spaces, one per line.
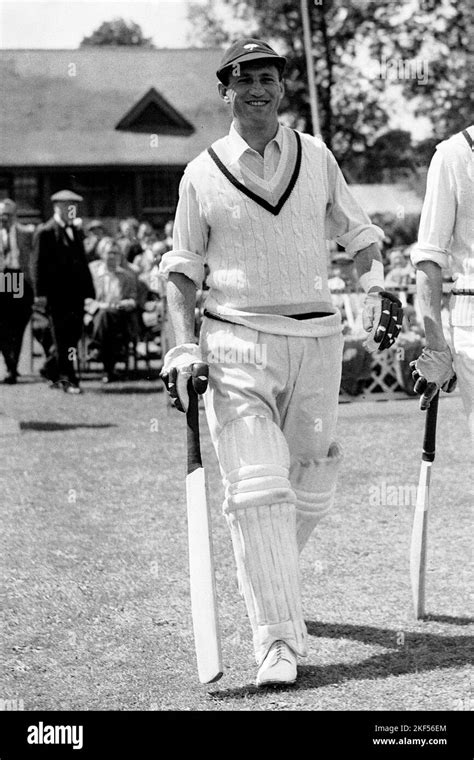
{"x":351,"y":112}
{"x":350,"y":42}
{"x":392,"y":149}
{"x":118,"y":32}
{"x":208,"y":27}
{"x":437,"y":35}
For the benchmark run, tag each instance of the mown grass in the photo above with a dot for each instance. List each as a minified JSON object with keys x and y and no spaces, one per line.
{"x":95,"y":564}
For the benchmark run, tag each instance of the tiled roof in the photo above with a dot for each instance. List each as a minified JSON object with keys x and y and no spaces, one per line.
{"x":60,"y":107}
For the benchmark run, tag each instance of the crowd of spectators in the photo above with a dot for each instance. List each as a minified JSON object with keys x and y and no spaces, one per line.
{"x":129,"y":289}
{"x":110,"y":276}
{"x":129,"y":300}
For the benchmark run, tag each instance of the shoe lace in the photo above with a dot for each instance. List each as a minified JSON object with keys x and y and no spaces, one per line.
{"x":281,"y":651}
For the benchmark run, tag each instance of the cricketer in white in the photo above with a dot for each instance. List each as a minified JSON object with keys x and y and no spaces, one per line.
{"x":446,"y":242}
{"x":258,"y":208}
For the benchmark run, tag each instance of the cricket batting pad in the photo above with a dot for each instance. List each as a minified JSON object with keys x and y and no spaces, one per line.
{"x":260,"y":511}
{"x":314,"y":482}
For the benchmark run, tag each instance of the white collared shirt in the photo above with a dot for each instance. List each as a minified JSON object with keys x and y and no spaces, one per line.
{"x":446,"y":233}
{"x":62,"y":224}
{"x":239,"y":152}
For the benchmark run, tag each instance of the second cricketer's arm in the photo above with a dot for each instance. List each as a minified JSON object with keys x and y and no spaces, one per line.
{"x":434,"y":368}
{"x":429,"y":287}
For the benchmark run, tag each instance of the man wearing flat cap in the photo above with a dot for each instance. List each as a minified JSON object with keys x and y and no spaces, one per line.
{"x":257,"y":208}
{"x":16,"y":293}
{"x":62,"y":282}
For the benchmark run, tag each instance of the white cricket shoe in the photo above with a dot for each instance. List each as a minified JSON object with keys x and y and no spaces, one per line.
{"x":278,"y":667}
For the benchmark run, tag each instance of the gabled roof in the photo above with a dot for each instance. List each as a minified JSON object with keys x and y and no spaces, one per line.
{"x":153,"y":114}
{"x":62,"y":107}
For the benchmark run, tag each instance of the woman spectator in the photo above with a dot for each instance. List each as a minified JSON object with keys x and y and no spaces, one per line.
{"x":112,"y":314}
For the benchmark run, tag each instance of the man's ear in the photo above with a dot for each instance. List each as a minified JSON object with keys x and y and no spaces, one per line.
{"x":222,"y":89}
{"x":282,"y":89}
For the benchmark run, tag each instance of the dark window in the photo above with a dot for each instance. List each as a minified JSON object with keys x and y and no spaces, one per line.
{"x":6,"y":186}
{"x":160,"y":191}
{"x":26,"y":192}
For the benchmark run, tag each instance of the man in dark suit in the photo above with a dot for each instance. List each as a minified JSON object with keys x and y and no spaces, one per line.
{"x":16,"y":292}
{"x":62,"y":282}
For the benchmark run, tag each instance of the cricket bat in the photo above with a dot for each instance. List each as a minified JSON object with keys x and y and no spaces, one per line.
{"x":201,"y":561}
{"x":419,"y":535}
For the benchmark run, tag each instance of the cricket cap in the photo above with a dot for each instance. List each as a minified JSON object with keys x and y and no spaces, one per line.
{"x":245,"y":50}
{"x":66,"y":195}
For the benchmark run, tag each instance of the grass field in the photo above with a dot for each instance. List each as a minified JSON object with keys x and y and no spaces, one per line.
{"x":95,"y":564}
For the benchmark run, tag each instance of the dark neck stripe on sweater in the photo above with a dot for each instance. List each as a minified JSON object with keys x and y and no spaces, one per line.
{"x":273,"y":209}
{"x":468,"y":138}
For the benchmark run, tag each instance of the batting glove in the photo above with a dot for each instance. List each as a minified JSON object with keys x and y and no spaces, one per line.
{"x":431,"y":371}
{"x":382,"y":318}
{"x":180,"y":364}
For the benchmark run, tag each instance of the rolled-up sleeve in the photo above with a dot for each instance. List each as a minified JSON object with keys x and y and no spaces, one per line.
{"x":190,"y":236}
{"x":438,"y":215}
{"x":346,"y":221}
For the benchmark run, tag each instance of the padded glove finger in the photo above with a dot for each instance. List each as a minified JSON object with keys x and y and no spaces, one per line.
{"x":390,"y":322}
{"x":382,"y":318}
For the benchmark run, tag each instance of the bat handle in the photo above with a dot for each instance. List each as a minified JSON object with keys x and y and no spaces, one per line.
{"x":197,"y":383}
{"x":192,"y":421}
{"x":429,"y":440}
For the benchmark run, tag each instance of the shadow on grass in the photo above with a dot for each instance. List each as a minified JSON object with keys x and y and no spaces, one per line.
{"x":449,"y":619}
{"x":48,"y":427}
{"x":419,"y":652}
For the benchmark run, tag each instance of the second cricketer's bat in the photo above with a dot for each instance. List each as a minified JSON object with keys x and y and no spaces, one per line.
{"x":419,"y":535}
{"x":201,"y":561}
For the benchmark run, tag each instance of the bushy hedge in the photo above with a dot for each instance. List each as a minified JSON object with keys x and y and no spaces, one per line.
{"x":400,"y":232}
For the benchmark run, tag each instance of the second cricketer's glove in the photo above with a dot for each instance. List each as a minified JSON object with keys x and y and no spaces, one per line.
{"x":178,"y":368}
{"x":382,"y":318}
{"x":431,"y":371}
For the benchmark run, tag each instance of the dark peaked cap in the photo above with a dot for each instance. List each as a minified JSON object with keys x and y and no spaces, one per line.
{"x":243,"y":51}
{"x":66,"y":195}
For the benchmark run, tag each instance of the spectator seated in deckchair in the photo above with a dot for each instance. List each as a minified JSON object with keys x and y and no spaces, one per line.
{"x":111,"y":318}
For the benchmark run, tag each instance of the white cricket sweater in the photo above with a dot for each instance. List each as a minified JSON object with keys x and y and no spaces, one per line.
{"x":258,"y":259}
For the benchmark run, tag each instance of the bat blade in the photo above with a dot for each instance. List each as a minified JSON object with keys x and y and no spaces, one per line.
{"x":419,"y":534}
{"x":419,"y":538}
{"x":202,"y":579}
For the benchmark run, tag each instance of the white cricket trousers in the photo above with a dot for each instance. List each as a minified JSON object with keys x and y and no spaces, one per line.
{"x":271,"y":407}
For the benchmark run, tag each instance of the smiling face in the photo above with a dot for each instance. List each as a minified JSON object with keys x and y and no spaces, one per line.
{"x":254,"y":92}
